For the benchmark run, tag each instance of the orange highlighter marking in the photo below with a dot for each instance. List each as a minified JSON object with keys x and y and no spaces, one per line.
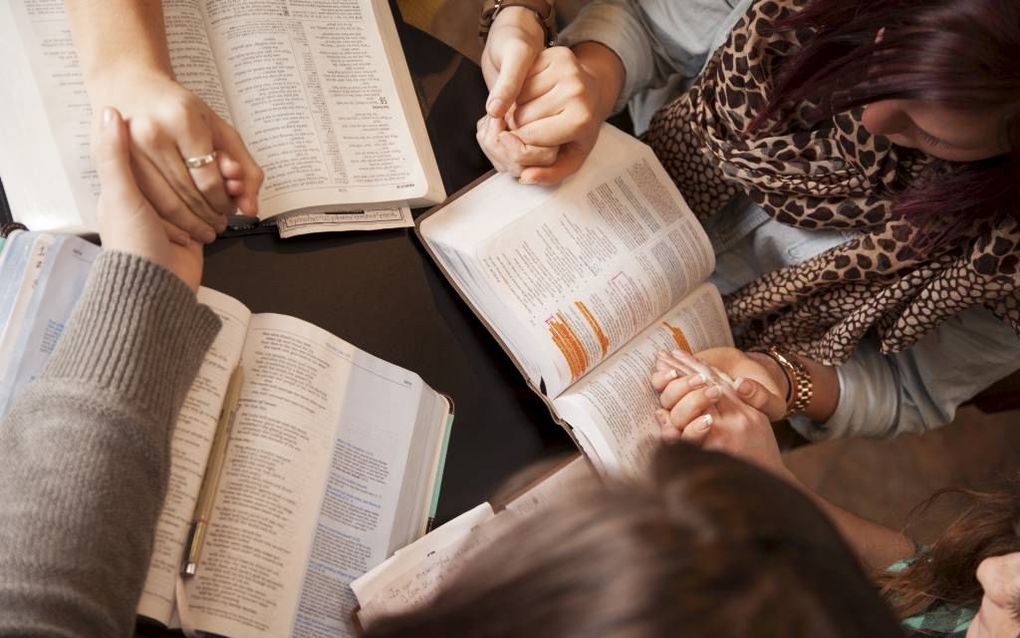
{"x":678,"y":336}
{"x":568,"y":343}
{"x":595,"y":327}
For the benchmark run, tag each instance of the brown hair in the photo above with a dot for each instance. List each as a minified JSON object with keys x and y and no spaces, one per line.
{"x":946,"y":572}
{"x":703,"y":545}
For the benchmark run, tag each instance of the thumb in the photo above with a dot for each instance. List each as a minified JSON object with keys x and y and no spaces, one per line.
{"x":113,"y":154}
{"x":758,"y":396}
{"x":513,"y":71}
{"x":568,"y":161}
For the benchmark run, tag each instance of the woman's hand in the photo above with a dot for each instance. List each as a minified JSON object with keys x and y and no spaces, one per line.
{"x":507,"y":152}
{"x":729,"y":425}
{"x":764,"y":385}
{"x":551,"y":102}
{"x":559,"y":106}
{"x":168,"y":124}
{"x":515,"y":40}
{"x":701,"y":407}
{"x":127,"y":221}
{"x":554,"y":125}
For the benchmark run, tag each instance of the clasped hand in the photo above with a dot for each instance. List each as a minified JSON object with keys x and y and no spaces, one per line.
{"x":166,"y":125}
{"x":543,"y":113}
{"x":704,"y":405}
{"x":127,"y":220}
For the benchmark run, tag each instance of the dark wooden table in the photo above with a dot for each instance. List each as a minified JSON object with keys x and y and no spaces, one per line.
{"x":381,"y":292}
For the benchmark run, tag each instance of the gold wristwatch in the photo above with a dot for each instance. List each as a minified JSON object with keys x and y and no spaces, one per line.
{"x":543,"y":10}
{"x":798,"y":377}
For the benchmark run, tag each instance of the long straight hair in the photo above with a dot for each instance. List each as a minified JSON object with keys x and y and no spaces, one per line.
{"x":956,"y":53}
{"x":702,"y":545}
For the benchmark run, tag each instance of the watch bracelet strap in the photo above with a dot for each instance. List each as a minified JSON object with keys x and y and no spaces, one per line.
{"x":801,"y":388}
{"x":544,"y":11}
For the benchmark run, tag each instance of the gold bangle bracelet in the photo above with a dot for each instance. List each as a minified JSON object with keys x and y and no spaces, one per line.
{"x":801,"y":387}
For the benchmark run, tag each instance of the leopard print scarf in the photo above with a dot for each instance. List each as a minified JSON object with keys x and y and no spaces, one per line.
{"x":836,"y":176}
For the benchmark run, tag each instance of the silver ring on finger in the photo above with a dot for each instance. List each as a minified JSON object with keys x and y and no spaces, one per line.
{"x":201,"y":160}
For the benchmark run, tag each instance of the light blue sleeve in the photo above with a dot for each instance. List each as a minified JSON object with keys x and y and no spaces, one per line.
{"x":656,"y":40}
{"x":921,"y":388}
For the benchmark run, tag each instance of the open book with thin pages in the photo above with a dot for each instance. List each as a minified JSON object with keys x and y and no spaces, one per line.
{"x":320,"y":92}
{"x":415,"y":574}
{"x":334,"y":457}
{"x":582,"y":284}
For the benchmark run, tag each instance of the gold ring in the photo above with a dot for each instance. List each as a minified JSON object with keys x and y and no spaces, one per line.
{"x":201,"y":160}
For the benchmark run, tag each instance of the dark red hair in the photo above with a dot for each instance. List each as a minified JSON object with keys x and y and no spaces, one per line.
{"x":957,"y":53}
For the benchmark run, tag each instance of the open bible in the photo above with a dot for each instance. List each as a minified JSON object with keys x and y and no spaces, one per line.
{"x":333,"y":460}
{"x":583,"y":283}
{"x":415,"y":574}
{"x":319,"y":90}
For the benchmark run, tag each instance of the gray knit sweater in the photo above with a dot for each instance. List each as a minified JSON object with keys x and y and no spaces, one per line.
{"x":84,"y":453}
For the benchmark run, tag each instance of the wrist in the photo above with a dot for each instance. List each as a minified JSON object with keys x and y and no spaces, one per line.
{"x":112,"y":79}
{"x":825,"y":395}
{"x":520,"y":18}
{"x":602,"y":63}
{"x":524,"y":21}
{"x":138,"y":333}
{"x":811,"y":389}
{"x":780,"y":380}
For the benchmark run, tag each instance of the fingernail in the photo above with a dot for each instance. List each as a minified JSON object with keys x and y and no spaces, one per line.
{"x":679,"y":354}
{"x":662,"y":417}
{"x":671,"y":374}
{"x":697,"y":380}
{"x":714,"y":392}
{"x":704,"y":423}
{"x":108,"y":116}
{"x":527,"y":181}
{"x":208,"y":236}
{"x":494,"y":104}
{"x":744,"y":387}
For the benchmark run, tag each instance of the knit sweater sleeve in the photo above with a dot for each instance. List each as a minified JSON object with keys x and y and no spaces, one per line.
{"x":84,"y":453}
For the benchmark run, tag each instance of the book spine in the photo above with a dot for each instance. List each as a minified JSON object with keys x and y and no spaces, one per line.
{"x":443,"y":447}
